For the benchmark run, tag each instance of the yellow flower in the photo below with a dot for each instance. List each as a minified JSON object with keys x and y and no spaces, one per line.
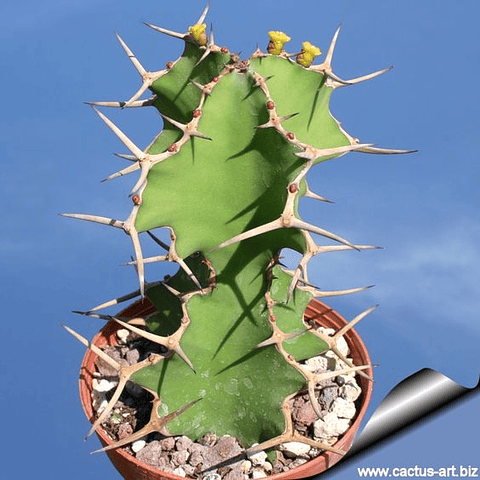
{"x":308,"y":54}
{"x":277,"y":41}
{"x":198,"y":33}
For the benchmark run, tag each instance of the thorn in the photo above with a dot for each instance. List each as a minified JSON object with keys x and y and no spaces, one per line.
{"x":179,"y":125}
{"x":333,"y":373}
{"x":172,"y":290}
{"x":201,"y":87}
{"x":210,"y":44}
{"x":194,"y":133}
{"x":211,"y":37}
{"x":265,"y":343}
{"x":189,"y":272}
{"x":141,"y":179}
{"x":155,"y":338}
{"x":363,"y":78}
{"x":310,"y":194}
{"x":139,"y":103}
{"x":331,"y":48}
{"x":353,"y":322}
{"x":205,"y":54}
{"x":156,"y":424}
{"x":287,"y":117}
{"x":143,"y":88}
{"x":204,"y":14}
{"x":279,"y":120}
{"x":139,"y":260}
{"x":122,"y":299}
{"x":131,"y":158}
{"x":165,"y":31}
{"x":384,"y":151}
{"x":95,"y":219}
{"x":91,"y":314}
{"x":123,"y":138}
{"x":158,"y":258}
{"x":268,"y":227}
{"x":338,"y":248}
{"x":92,"y":347}
{"x":121,"y":173}
{"x":138,"y":66}
{"x":296,"y":223}
{"x":178,"y":350}
{"x":315,"y":153}
{"x":158,"y":241}
{"x":259,"y":80}
{"x":147,"y":77}
{"x":313,"y":399}
{"x":339,"y":80}
{"x":335,"y":293}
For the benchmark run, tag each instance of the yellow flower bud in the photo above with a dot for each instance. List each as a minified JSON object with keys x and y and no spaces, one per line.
{"x":277,"y":41}
{"x":198,"y":32}
{"x":308,"y":54}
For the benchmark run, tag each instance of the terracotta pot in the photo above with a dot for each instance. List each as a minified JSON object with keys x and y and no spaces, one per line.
{"x":131,"y":469}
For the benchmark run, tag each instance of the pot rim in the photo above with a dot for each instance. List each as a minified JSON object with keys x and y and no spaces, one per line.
{"x":125,"y":462}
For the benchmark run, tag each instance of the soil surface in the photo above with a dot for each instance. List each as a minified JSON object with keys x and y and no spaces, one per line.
{"x":208,"y":458}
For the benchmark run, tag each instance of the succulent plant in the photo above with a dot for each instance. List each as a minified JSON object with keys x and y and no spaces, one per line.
{"x":225,"y":177}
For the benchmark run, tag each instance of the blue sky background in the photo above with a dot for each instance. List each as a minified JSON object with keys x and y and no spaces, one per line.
{"x":422,"y":208}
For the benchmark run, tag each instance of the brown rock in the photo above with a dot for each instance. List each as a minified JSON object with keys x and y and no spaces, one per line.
{"x":124,"y":431}
{"x":151,"y":454}
{"x":167,"y":444}
{"x":305,"y":415}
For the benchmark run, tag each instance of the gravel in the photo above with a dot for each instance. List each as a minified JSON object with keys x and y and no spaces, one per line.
{"x":208,"y":457}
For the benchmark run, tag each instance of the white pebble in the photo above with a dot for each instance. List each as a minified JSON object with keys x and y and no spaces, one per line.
{"x":259,"y":458}
{"x":138,"y":445}
{"x":259,"y":472}
{"x":212,"y":476}
{"x":246,"y":466}
{"x":295,"y":449}
{"x":99,"y":401}
{"x":350,"y":391}
{"x":330,"y":426}
{"x":317,"y":363}
{"x":122,"y":335}
{"x":342,"y":346}
{"x":313,"y":452}
{"x":103,"y":385}
{"x":326,"y":331}
{"x":180,"y":472}
{"x":343,"y":408}
{"x":298,"y":462}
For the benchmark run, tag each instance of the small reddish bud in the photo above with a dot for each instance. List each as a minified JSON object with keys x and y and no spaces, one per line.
{"x":224,"y":50}
{"x":216,"y":78}
{"x":273,"y":318}
{"x":172,"y":148}
{"x":290,"y":357}
{"x":293,"y":188}
{"x":136,"y":200}
{"x":196,"y":113}
{"x":169,"y":65}
{"x":291,"y":136}
{"x":270,"y":105}
{"x":270,"y":47}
